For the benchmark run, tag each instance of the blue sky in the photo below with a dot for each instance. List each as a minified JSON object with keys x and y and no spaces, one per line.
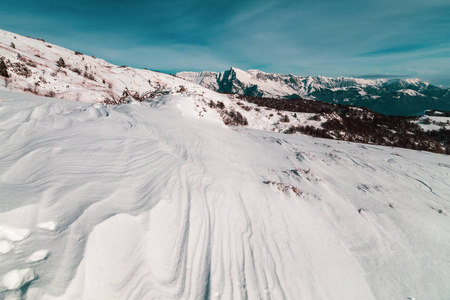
{"x":332,"y":38}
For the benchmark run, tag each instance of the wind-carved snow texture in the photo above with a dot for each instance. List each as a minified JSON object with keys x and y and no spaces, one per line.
{"x":150,"y":201}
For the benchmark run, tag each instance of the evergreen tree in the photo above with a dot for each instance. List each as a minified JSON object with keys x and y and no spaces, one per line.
{"x":60,"y":63}
{"x":12,"y":45}
{"x":3,"y":69}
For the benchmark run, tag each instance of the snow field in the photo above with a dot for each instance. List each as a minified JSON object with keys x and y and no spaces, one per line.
{"x":151,"y":201}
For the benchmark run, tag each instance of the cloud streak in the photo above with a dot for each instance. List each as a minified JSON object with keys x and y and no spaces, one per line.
{"x":323,"y":37}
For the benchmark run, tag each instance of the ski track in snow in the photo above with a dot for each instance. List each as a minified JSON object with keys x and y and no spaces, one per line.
{"x":149,"y":201}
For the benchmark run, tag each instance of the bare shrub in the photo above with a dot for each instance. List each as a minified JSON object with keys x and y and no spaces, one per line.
{"x":77,"y":70}
{"x":42,"y":79}
{"x":220,"y":105}
{"x":285,"y":187}
{"x":112,"y":99}
{"x":284,"y":119}
{"x":425,"y":121}
{"x":50,"y":94}
{"x":29,"y":88}
{"x":315,"y":117}
{"x":19,"y":69}
{"x":89,"y":76}
{"x":78,"y":53}
{"x":31,"y":64}
{"x":25,"y":60}
{"x":233,"y":118}
{"x":212,"y":104}
{"x":127,"y":95}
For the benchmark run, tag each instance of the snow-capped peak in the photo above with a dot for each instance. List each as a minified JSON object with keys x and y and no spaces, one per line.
{"x":377,"y":94}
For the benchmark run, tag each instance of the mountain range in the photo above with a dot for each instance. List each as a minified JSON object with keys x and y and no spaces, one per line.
{"x":387,"y":96}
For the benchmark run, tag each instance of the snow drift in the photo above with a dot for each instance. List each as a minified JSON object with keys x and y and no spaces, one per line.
{"x":153,"y":201}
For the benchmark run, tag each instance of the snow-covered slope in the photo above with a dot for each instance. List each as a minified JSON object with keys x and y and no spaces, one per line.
{"x":32,"y":66}
{"x":394,"y":96}
{"x":150,"y":201}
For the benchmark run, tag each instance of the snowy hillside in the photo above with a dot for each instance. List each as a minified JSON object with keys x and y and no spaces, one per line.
{"x":394,"y":96}
{"x":32,"y":67}
{"x":148,"y":200}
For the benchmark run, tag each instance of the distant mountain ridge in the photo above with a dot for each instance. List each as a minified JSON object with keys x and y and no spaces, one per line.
{"x":387,"y":96}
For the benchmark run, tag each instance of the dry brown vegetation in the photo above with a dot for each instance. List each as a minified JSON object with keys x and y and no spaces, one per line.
{"x":360,"y":125}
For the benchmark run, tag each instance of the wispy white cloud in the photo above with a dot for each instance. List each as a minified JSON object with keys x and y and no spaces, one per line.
{"x":288,"y":36}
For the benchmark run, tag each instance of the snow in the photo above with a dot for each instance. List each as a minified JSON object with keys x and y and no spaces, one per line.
{"x":414,"y":81}
{"x":13,"y":234}
{"x":38,"y":256}
{"x":410,"y":92}
{"x":435,"y":122}
{"x":153,"y":201}
{"x":15,"y":279}
{"x":5,"y":246}
{"x":50,"y":225}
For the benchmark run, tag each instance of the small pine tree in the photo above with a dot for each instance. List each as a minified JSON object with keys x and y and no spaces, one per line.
{"x":3,"y":69}
{"x":12,"y":45}
{"x":284,"y":119}
{"x":61,"y":63}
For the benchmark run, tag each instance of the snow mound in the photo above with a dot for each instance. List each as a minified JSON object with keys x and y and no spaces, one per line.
{"x":5,"y":246}
{"x":15,"y":279}
{"x":14,"y":234}
{"x":51,"y":225}
{"x":38,"y":256}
